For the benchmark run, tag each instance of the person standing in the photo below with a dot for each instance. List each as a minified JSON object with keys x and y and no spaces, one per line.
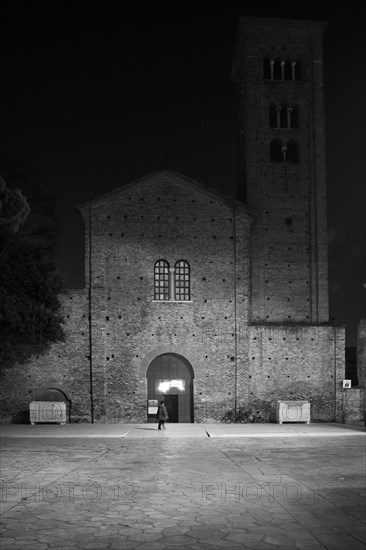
{"x":162,"y":415}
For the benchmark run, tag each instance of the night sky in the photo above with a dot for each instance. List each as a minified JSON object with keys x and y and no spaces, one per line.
{"x":95,"y":97}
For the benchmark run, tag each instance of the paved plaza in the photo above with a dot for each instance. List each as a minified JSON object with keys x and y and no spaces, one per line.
{"x":193,"y":486}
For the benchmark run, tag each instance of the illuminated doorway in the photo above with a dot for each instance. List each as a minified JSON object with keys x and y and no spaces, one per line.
{"x":170,"y":377}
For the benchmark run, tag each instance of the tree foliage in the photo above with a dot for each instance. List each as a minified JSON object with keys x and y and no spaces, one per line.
{"x":14,"y":208}
{"x":30,"y":283}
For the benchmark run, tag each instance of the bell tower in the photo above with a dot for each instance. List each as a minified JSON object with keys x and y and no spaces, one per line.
{"x":278,"y":75}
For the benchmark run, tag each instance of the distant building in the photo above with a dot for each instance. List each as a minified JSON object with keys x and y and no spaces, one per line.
{"x":212,"y":302}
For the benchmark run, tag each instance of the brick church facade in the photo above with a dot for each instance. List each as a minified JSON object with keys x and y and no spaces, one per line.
{"x":211,"y":301}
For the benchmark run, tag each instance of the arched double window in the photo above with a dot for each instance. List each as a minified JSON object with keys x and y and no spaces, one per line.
{"x":281,"y":116}
{"x":172,"y":283}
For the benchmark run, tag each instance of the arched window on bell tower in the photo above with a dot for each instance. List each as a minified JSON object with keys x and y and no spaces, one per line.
{"x":273,"y":119}
{"x":287,"y":71}
{"x":276,"y":150}
{"x":296,"y":70}
{"x":292,"y":151}
{"x":267,"y":69}
{"x":291,"y":117}
{"x":284,"y":152}
{"x":277,"y":69}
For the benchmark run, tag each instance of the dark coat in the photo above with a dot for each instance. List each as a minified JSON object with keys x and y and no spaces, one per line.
{"x":162,"y":413}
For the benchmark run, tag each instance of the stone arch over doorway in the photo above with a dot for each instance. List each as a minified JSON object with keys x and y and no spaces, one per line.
{"x":160,"y":350}
{"x":54,"y":393}
{"x":170,"y":377}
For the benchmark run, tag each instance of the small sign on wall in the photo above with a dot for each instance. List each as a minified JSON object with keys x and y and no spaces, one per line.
{"x":347,"y":384}
{"x":152,"y":406}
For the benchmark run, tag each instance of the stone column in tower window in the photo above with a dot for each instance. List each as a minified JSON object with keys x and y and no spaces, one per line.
{"x":171,"y":284}
{"x":272,"y":68}
{"x":283,"y":70}
{"x":293,"y":70}
{"x":278,"y":114}
{"x":289,"y":113}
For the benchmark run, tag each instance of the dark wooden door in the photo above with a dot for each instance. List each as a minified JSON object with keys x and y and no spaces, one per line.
{"x":171,"y":403}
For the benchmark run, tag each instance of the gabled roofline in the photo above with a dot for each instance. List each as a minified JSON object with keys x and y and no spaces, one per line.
{"x":193,"y":184}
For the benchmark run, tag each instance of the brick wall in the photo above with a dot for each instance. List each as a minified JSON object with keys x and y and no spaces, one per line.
{"x":361,"y":353}
{"x":353,"y":405}
{"x":65,"y":366}
{"x":164,"y":217}
{"x":234,"y":363}
{"x":298,"y":363}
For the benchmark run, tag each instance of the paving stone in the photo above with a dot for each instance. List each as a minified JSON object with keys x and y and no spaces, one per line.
{"x":223,"y":543}
{"x":359,"y":534}
{"x":110,"y":537}
{"x":176,"y":530}
{"x":19,"y":533}
{"x":269,"y":531}
{"x":128,"y":531}
{"x":124,"y":545}
{"x":262,"y":518}
{"x":212,"y":519}
{"x":90,"y":524}
{"x":204,"y":533}
{"x":134,"y":516}
{"x":265,"y":546}
{"x":165,"y":523}
{"x":123,"y":507}
{"x":208,"y":546}
{"x":178,"y":539}
{"x":299,"y":534}
{"x":31,"y":545}
{"x":79,"y":537}
{"x":309,"y":545}
{"x":188,"y":522}
{"x":110,"y":530}
{"x":148,"y":546}
{"x":155,"y":530}
{"x":7,"y":541}
{"x":94,"y":545}
{"x":245,"y":525}
{"x":145,"y":537}
{"x":283,"y":542}
{"x":140,"y":525}
{"x":170,"y":500}
{"x":252,"y":538}
{"x":339,"y":543}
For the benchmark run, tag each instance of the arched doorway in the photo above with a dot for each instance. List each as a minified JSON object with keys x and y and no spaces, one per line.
{"x":170,"y":377}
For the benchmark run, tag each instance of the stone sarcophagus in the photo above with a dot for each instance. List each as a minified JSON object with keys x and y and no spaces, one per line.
{"x":293,"y":411}
{"x":47,"y":412}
